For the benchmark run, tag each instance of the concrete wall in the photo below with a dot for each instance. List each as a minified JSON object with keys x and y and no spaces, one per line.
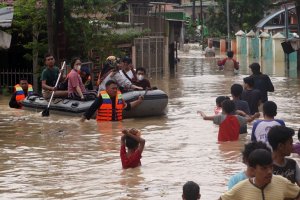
{"x":268,"y":50}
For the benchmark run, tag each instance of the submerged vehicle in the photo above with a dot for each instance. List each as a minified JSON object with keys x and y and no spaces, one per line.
{"x":154,"y":104}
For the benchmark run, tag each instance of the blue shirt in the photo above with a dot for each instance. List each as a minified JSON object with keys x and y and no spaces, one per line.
{"x":236,"y":178}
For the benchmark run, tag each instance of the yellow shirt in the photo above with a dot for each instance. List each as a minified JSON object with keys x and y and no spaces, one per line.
{"x":279,"y":189}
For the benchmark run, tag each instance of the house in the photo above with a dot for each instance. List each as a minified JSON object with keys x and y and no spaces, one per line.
{"x":275,"y":22}
{"x":156,"y":50}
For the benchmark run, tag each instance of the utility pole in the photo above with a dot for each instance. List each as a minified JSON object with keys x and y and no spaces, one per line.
{"x":60,"y":33}
{"x":50,"y":26}
{"x":286,"y":24}
{"x":298,"y":15}
{"x":193,"y":12}
{"x":298,"y":19}
{"x":228,"y":26}
{"x":193,"y":25}
{"x":202,"y":22}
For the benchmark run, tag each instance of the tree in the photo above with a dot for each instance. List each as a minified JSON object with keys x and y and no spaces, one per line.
{"x":244,"y":14}
{"x":29,"y":23}
{"x":88,"y":24}
{"x":91,"y":24}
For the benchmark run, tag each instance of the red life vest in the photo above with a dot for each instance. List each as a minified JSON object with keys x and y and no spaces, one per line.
{"x":105,"y":111}
{"x":229,"y":129}
{"x":20,"y":95}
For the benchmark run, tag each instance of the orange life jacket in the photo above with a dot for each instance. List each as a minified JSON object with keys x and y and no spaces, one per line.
{"x":105,"y":111}
{"x":229,"y":129}
{"x":20,"y":95}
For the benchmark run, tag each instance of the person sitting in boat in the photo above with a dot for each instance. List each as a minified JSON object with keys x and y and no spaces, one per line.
{"x":86,"y":78}
{"x":135,"y":144}
{"x":229,"y":64}
{"x":210,"y":50}
{"x":75,"y":85}
{"x":127,"y":70}
{"x":141,"y":80}
{"x":111,"y":72}
{"x":49,"y":77}
{"x":21,"y":91}
{"x":110,"y":104}
{"x":76,"y":88}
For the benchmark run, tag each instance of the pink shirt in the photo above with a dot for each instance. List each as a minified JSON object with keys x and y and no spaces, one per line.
{"x":74,"y":80}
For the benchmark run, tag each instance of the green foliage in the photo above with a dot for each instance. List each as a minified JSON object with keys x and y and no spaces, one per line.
{"x":244,"y":14}
{"x":2,"y":5}
{"x":89,"y":24}
{"x":30,"y":25}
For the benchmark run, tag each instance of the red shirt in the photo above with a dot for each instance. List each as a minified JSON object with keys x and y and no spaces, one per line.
{"x":236,"y":65}
{"x":229,"y":129}
{"x":134,"y":160}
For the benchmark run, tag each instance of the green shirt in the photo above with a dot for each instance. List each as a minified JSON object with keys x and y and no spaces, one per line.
{"x":50,"y":75}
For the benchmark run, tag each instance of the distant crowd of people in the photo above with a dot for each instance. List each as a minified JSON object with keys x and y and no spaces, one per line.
{"x":269,"y":173}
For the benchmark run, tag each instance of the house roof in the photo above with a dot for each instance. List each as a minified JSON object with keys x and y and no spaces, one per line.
{"x":264,"y":21}
{"x":6,"y":16}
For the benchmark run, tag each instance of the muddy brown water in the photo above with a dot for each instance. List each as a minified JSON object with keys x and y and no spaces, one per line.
{"x":59,"y":158}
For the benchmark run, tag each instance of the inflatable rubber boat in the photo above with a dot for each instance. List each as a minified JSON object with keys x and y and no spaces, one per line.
{"x":154,"y":104}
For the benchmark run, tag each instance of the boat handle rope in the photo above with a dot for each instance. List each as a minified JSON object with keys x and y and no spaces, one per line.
{"x":65,"y":101}
{"x":56,"y":102}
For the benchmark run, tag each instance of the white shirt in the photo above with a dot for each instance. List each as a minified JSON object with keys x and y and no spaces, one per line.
{"x":129,"y":74}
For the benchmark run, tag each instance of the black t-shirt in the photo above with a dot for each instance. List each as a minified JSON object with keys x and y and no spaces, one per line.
{"x":263,"y":83}
{"x":243,"y":106}
{"x":253,"y":97}
{"x":145,"y":84}
{"x":89,"y":85}
{"x":98,"y":102}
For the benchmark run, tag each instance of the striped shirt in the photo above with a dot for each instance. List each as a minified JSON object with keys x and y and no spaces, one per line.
{"x":279,"y":189}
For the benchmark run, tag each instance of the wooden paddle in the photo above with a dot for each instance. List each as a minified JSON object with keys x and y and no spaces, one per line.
{"x":45,"y":112}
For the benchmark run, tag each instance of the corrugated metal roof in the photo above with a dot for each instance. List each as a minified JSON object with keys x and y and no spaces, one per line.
{"x":6,"y":16}
{"x":265,"y":20}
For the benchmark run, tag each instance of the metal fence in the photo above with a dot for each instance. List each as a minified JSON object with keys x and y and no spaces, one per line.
{"x":156,"y":25}
{"x":10,"y":77}
{"x":149,"y":53}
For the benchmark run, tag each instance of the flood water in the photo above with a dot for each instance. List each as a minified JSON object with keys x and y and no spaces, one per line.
{"x":59,"y":158}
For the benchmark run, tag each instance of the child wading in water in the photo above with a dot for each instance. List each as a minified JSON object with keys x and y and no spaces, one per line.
{"x":229,"y":123}
{"x":135,"y":145}
{"x":219,"y":100}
